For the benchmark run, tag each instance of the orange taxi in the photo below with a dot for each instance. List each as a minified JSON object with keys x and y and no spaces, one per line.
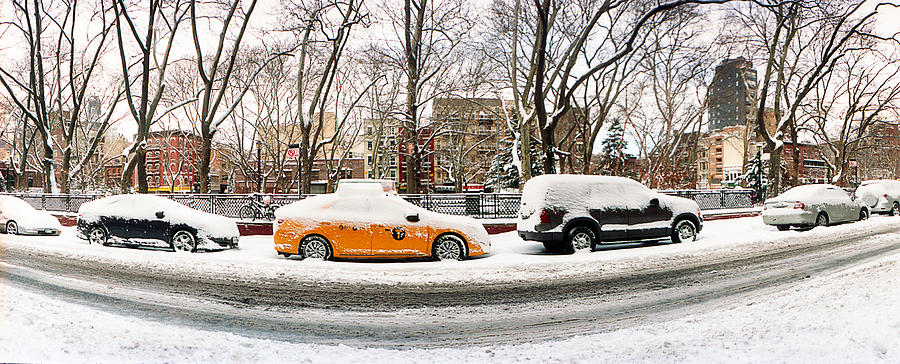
{"x":367,"y":219}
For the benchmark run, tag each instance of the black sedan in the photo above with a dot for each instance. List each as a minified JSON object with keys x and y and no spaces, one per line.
{"x":154,"y":221}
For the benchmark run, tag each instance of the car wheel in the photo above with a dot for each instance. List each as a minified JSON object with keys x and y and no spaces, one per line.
{"x":12,"y":228}
{"x":184,"y":241}
{"x":684,"y":231}
{"x":822,"y":219}
{"x":448,"y":247}
{"x":895,"y":209}
{"x":580,"y":238}
{"x":97,"y":235}
{"x":315,"y":247}
{"x":783,"y":227}
{"x":863,"y":215}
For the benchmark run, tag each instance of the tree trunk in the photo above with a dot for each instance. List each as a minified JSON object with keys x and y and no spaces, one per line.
{"x":205,"y":160}
{"x":64,"y":171}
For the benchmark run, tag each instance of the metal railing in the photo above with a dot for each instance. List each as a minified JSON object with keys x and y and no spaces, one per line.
{"x":476,"y":205}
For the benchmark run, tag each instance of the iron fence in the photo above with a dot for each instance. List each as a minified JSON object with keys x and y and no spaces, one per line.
{"x":477,"y":205}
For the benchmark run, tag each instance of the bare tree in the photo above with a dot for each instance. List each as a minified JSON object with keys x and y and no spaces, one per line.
{"x":800,"y":41}
{"x":152,"y":60}
{"x":430,"y":36}
{"x":51,"y":88}
{"x":324,"y":28}
{"x":859,"y":94}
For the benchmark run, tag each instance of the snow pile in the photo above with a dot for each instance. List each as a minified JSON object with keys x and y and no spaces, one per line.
{"x":843,"y":317}
{"x":26,"y":216}
{"x":145,"y":207}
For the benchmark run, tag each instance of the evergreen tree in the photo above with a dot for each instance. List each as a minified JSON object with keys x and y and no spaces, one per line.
{"x":612,"y":154}
{"x":502,"y":165}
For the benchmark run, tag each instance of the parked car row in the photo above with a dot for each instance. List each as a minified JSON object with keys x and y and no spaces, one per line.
{"x":367,"y":219}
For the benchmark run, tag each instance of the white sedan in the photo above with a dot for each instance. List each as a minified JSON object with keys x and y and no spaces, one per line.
{"x":19,"y":217}
{"x":813,"y":205}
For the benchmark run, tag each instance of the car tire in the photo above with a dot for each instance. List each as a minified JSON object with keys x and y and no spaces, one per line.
{"x":97,"y":235}
{"x":580,"y":238}
{"x":683,"y":231}
{"x":895,"y":209}
{"x":183,"y":241}
{"x":315,"y":247}
{"x":12,"y":228}
{"x":821,"y":219}
{"x":783,"y":227}
{"x":448,"y":247}
{"x":863,"y":215}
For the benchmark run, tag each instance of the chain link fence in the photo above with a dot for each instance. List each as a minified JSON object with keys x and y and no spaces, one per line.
{"x":476,"y":205}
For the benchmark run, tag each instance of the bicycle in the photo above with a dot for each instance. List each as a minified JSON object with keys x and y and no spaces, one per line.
{"x":258,"y":210}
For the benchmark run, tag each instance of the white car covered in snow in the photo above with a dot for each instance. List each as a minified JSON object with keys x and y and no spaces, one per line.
{"x":367,"y":219}
{"x":882,"y":196}
{"x":573,"y":212}
{"x":154,"y":221}
{"x":813,"y":205}
{"x":19,"y":217}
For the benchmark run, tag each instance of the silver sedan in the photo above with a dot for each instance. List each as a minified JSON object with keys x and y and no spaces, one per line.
{"x":813,"y":205}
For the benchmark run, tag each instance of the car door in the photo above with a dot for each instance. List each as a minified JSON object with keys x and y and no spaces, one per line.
{"x":348,"y":226}
{"x":395,"y":236}
{"x":839,"y":204}
{"x":120,"y":224}
{"x":648,"y":217}
{"x":155,"y":226}
{"x":606,"y":209}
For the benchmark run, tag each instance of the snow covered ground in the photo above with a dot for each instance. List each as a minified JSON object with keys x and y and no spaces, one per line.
{"x":511,"y":259}
{"x":849,"y":316}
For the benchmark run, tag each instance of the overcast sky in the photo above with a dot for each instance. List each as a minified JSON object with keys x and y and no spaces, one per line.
{"x":266,"y":18}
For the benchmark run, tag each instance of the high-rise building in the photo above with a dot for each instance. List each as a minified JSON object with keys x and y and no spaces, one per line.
{"x":732,"y":94}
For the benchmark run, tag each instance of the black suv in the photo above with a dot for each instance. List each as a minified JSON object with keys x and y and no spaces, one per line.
{"x":572,"y":212}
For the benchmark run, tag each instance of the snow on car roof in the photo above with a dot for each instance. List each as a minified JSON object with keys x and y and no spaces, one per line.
{"x":365,"y":186}
{"x":12,"y":202}
{"x":809,"y":192}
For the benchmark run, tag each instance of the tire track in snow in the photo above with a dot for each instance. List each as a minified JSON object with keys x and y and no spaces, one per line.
{"x":438,"y":315}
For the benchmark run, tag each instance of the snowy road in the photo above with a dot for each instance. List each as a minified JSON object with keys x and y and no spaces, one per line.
{"x":514,"y":295}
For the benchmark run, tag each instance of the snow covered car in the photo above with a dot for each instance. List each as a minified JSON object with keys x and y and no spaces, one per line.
{"x":813,"y":205}
{"x":19,"y":217}
{"x":882,"y":196}
{"x":366,"y":219}
{"x":154,"y":221}
{"x":572,"y":212}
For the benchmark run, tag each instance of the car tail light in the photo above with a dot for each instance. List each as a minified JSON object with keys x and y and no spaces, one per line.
{"x":799,"y":205}
{"x":885,"y":195}
{"x":280,"y":221}
{"x":545,"y":217}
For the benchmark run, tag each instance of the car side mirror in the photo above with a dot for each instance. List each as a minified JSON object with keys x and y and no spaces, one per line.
{"x":654,"y":201}
{"x":412,"y":216}
{"x":160,"y":215}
